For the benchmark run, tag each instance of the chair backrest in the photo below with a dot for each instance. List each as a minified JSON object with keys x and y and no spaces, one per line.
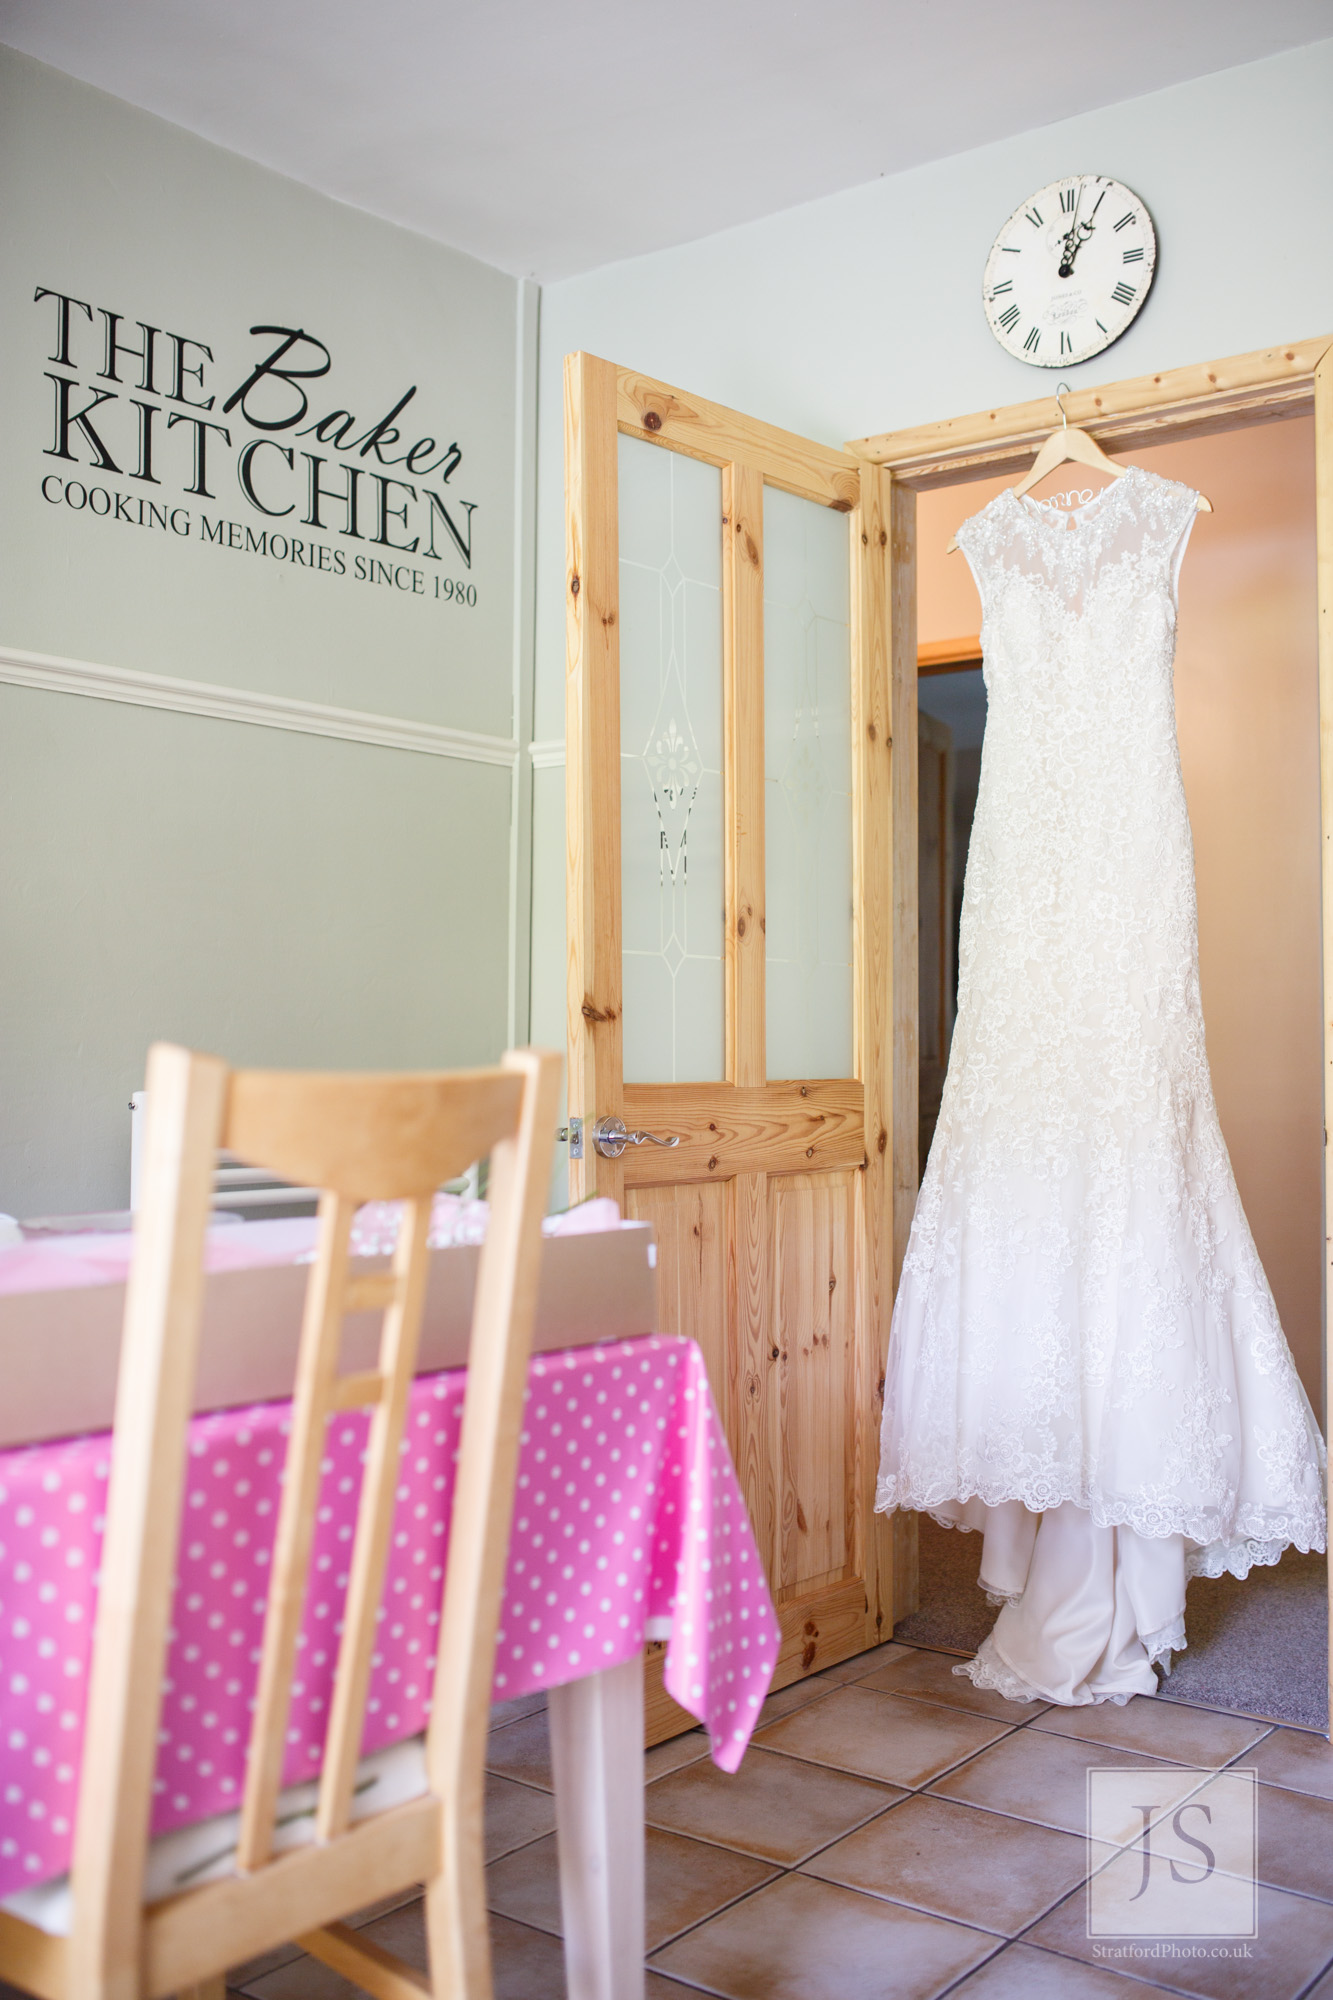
{"x":357,"y":1138}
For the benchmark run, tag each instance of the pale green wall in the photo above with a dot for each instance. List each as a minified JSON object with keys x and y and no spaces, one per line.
{"x":280,"y":898}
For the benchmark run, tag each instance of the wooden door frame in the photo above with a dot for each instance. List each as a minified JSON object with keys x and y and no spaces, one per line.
{"x":1261,"y":387}
{"x":602,"y":403}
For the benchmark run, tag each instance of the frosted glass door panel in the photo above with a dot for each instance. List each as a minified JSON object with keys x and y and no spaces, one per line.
{"x":670,"y":511}
{"x":807,"y":788}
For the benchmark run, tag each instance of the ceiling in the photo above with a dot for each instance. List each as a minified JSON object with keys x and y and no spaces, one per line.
{"x":550,"y":136}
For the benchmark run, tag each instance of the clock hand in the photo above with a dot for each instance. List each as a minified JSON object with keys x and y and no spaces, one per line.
{"x":1074,"y":242}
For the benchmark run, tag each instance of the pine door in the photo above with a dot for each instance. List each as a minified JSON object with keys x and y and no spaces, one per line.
{"x":730,"y":887}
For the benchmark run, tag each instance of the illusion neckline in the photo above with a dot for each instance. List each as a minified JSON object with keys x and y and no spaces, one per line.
{"x":1040,"y":510}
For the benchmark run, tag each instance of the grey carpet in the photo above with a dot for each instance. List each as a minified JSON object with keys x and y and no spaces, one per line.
{"x":1258,"y":1647}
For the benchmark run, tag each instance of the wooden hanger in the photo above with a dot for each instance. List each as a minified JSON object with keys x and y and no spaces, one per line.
{"x":1070,"y":445}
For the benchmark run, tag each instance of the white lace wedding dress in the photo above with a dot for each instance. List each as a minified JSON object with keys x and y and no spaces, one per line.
{"x":1086,"y":1362}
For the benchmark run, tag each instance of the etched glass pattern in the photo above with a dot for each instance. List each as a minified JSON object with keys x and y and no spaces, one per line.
{"x":670,"y":511}
{"x":807,"y":788}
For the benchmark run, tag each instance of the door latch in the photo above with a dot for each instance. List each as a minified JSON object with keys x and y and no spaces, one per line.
{"x":573,"y":1132}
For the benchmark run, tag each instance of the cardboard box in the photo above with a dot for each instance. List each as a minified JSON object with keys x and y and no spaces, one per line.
{"x":59,"y":1350}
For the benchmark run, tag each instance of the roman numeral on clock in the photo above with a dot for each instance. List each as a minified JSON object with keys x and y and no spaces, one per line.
{"x":1066,"y":344}
{"x":1123,"y":294}
{"x":1009,"y":319}
{"x":1068,"y":197}
{"x":1034,"y":216}
{"x":1007,"y":286}
{"x":1125,"y":220}
{"x":1033,"y":340}
{"x":1133,"y":256}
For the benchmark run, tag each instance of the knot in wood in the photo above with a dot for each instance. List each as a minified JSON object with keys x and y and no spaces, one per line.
{"x":651,"y":421}
{"x":574,"y":587}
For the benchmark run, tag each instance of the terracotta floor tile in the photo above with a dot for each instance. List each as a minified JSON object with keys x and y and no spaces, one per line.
{"x":1163,"y":1729}
{"x":1294,"y":1942}
{"x":522,"y":1750}
{"x":685,"y":1881}
{"x":514,"y":1711}
{"x":688,"y":1880}
{"x":1322,"y":1988}
{"x":1042,"y":1778}
{"x":954,"y":1861}
{"x":526,"y":1964}
{"x":304,"y":1978}
{"x":805,"y":1940}
{"x":1295,"y":1840}
{"x":931,"y":1677}
{"x":775,"y":1808}
{"x":301,"y":1978}
{"x":677,"y":1750}
{"x":1296,"y":1759}
{"x":242,"y":1977}
{"x":799,"y":1695}
{"x":880,"y":1736}
{"x":1019,"y":1973}
{"x":862,"y":1664}
{"x":515,"y":1814}
{"x":1165,"y":1695}
{"x":402,"y":1931}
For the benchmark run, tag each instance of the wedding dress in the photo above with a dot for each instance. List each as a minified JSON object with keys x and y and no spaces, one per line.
{"x":1086,"y":1362}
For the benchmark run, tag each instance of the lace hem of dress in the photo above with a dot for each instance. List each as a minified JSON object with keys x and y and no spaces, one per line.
{"x":1238,"y":1558}
{"x":1254,"y":1535}
{"x":1159,"y":1646}
{"x":988,"y":1670}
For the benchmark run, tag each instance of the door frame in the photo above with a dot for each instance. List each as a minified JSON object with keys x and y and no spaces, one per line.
{"x":1261,"y":387}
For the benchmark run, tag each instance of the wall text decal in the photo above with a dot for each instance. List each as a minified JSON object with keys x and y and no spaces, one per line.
{"x":264,"y":443}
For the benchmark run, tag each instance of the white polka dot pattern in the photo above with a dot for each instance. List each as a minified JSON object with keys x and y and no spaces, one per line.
{"x":627,"y":1509}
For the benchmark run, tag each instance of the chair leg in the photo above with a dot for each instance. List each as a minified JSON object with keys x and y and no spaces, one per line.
{"x":458,"y":1939}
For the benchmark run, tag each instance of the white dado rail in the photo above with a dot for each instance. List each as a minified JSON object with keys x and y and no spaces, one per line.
{"x":264,"y":711}
{"x":546,"y":756}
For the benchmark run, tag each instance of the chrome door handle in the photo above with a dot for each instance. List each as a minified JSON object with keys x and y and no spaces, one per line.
{"x":611,"y":1138}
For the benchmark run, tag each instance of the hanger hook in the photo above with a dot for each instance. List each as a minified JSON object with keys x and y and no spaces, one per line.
{"x":1062,"y":389}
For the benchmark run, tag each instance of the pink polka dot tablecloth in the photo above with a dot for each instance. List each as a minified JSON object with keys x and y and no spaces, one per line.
{"x":627,"y":1511}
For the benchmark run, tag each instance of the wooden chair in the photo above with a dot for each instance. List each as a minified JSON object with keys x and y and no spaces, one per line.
{"x":357,"y":1138}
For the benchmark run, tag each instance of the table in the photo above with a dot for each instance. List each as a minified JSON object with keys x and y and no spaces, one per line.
{"x":627,"y":1515}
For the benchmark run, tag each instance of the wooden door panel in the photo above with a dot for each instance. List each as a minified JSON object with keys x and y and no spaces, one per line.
{"x":813,"y":1239}
{"x":691,"y":1225}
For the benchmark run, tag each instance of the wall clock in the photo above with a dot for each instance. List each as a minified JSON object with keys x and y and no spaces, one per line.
{"x":1069,"y":271}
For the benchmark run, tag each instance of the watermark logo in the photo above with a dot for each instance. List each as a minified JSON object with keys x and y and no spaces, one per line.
{"x":1172,"y":1853}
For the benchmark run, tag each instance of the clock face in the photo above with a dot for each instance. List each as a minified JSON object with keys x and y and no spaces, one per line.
{"x":1069,"y":271}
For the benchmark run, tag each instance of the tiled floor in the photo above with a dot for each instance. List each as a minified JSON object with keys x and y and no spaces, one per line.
{"x":892,"y":1832}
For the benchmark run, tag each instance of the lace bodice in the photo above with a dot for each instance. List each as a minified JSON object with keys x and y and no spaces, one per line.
{"x":1083,"y":1315}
